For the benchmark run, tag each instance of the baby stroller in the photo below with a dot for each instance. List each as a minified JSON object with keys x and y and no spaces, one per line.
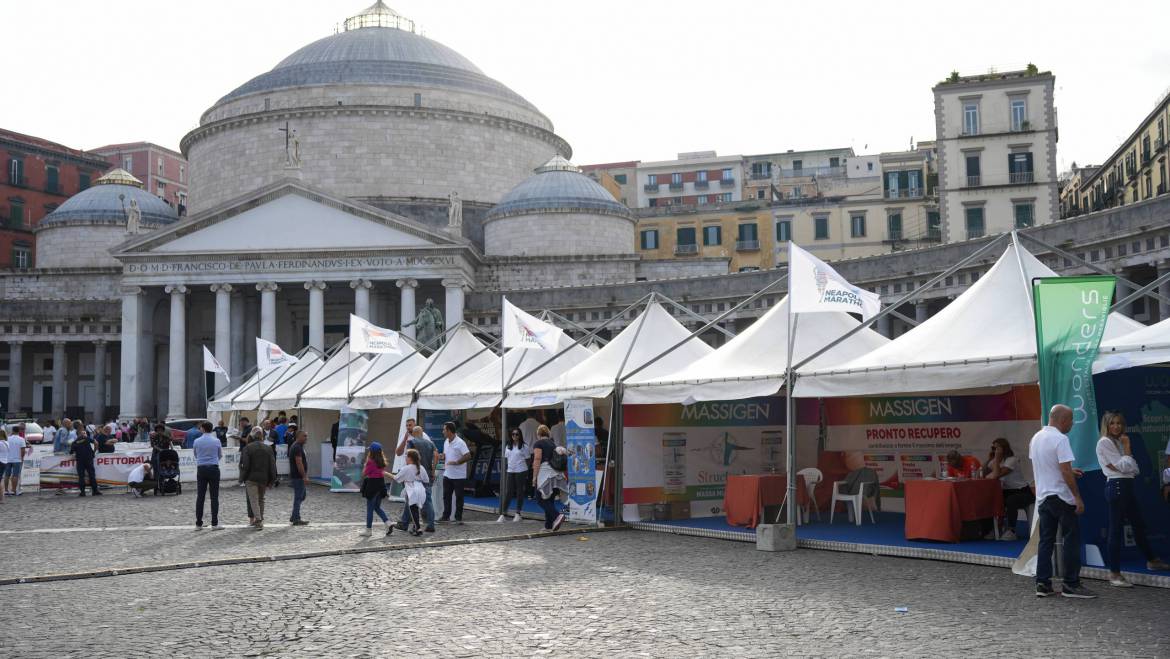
{"x":167,"y":474}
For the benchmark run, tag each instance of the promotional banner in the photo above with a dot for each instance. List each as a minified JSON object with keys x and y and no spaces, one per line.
{"x":581,"y":442}
{"x":907,"y":437}
{"x":212,"y":365}
{"x":270,"y":356}
{"x":112,"y":469}
{"x":676,"y":458}
{"x":366,"y":337}
{"x":352,"y":433}
{"x":1070,"y":319}
{"x":816,"y":286}
{"x":524,"y":331}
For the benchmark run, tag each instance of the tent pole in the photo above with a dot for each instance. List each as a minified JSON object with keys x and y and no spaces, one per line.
{"x":616,"y":423}
{"x":704,"y":328}
{"x":1148,"y":289}
{"x":905,"y":298}
{"x":790,"y":421}
{"x":686,"y":310}
{"x":504,"y":434}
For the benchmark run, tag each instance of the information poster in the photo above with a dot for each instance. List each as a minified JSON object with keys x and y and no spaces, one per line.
{"x":907,"y":437}
{"x":676,"y":458}
{"x":352,"y":432}
{"x":581,"y":443}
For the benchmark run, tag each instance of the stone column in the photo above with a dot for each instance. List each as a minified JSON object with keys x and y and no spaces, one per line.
{"x":177,"y":368}
{"x":920,"y":312}
{"x":407,"y":304}
{"x":223,"y":332}
{"x":58,"y":410}
{"x":316,"y":314}
{"x":99,"y":381}
{"x":361,"y":298}
{"x":1164,"y":291}
{"x":883,"y":326}
{"x":455,"y":288}
{"x":130,"y":389}
{"x":236,"y":368}
{"x":268,"y":310}
{"x":251,"y":330}
{"x":15,"y":377}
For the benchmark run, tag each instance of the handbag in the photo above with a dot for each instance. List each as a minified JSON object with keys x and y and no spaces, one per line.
{"x":373,"y":487}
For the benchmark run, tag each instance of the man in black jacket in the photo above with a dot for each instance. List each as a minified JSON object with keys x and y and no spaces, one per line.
{"x":83,"y":449}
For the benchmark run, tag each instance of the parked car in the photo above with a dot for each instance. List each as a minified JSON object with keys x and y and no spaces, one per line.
{"x":179,"y":427}
{"x":33,"y":433}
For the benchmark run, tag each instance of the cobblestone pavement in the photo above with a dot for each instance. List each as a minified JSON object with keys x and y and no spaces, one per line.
{"x":625,"y":593}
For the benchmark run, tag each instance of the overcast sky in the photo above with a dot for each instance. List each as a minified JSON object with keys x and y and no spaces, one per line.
{"x":620,"y":79}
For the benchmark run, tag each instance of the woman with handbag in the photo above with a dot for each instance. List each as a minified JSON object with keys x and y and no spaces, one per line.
{"x":551,"y":479}
{"x":374,"y":488}
{"x":1115,"y":456}
{"x":414,"y":493}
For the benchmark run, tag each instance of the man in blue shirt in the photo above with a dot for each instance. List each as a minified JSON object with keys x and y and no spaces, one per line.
{"x":208,"y":452}
{"x":192,"y":435}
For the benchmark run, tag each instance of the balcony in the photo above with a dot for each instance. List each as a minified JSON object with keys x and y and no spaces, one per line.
{"x":1158,"y":144}
{"x":676,"y":186}
{"x":702,"y":185}
{"x":727,"y":183}
{"x":747,"y":245}
{"x":761,"y":176}
{"x":18,"y":181}
{"x":686,"y":250}
{"x":1021,"y":126}
{"x":973,"y":181}
{"x":805,"y":172}
{"x":1021,"y":178}
{"x":650,"y":187}
{"x":895,"y":236}
{"x":933,"y":234}
{"x":908,"y":193}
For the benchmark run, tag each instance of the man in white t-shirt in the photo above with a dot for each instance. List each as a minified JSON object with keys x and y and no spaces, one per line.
{"x":1058,"y":504}
{"x":529,"y":426}
{"x":456,"y":455}
{"x":140,"y":479}
{"x":17,"y":449}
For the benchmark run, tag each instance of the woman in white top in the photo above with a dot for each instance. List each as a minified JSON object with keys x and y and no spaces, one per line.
{"x":3,"y":459}
{"x":516,"y":454}
{"x":1117,"y":464}
{"x":413,"y":477}
{"x":1003,"y":465}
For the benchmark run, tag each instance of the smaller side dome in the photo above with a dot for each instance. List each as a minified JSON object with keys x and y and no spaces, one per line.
{"x":108,"y":201}
{"x":557,"y":185}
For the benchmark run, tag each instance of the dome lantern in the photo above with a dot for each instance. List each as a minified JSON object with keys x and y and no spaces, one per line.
{"x":378,"y":15}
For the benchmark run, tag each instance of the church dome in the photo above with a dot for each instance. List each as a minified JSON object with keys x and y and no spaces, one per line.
{"x":108,"y":200}
{"x":558,"y":186}
{"x":379,"y":47}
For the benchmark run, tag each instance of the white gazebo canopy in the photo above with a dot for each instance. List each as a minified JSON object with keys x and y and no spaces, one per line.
{"x":984,"y":338}
{"x":754,"y":362}
{"x":644,"y":339}
{"x":394,"y":389}
{"x":481,"y":389}
{"x":283,"y":394}
{"x":1142,"y":347}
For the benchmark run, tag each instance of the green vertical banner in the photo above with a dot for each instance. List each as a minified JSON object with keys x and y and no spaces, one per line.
{"x":1070,"y":320}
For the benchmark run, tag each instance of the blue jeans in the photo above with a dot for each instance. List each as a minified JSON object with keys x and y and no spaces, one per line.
{"x":550,"y":508}
{"x":428,"y":511}
{"x":375,"y":506}
{"x":1054,"y":512}
{"x":1122,"y":507}
{"x":298,"y":486}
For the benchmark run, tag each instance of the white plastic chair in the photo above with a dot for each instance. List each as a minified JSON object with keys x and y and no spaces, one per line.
{"x":812,"y":477}
{"x":857,"y":501}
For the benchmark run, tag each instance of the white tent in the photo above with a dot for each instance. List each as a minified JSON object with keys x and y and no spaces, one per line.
{"x":329,"y":387}
{"x":247,"y":396}
{"x":1145,"y":346}
{"x":481,"y":389}
{"x":986,"y":337}
{"x":644,"y":339}
{"x":754,"y":362}
{"x":283,"y":394}
{"x":462,"y":351}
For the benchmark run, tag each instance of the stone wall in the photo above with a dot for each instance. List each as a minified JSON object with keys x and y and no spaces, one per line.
{"x":558,"y":233}
{"x":79,"y":245}
{"x":59,"y":285}
{"x":676,"y":268}
{"x":433,"y":213}
{"x":527,"y":273}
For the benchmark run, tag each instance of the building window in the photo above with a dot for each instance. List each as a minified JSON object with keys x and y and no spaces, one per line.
{"x":1019,"y":114}
{"x":821,"y":224}
{"x":620,"y":178}
{"x":16,"y":213}
{"x":783,"y":230}
{"x":970,"y":118}
{"x":727,"y":175}
{"x":797,"y":165}
{"x":16,"y":172}
{"x":650,"y":239}
{"x":685,"y":239}
{"x":676,"y":179}
{"x":894,"y":226}
{"x":796,"y":192}
{"x":128,"y":163}
{"x":857,"y":225}
{"x":934,"y":225}
{"x":701,"y":176}
{"x":160,"y":166}
{"x":760,"y":193}
{"x":52,"y":179}
{"x":162,"y":189}
{"x":1020,"y":167}
{"x":21,"y":255}
{"x":713,"y":235}
{"x":1149,"y":186}
{"x":702,"y":200}
{"x":748,"y":232}
{"x":83,"y":177}
{"x":975,"y":228}
{"x":834,"y":161}
{"x":182,"y":173}
{"x":973,"y":170}
{"x":869,"y":166}
{"x":762,"y":169}
{"x":726,"y":197}
{"x":652,"y":179}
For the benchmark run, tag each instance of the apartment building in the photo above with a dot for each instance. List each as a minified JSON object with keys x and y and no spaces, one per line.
{"x":1137,"y":169}
{"x":794,"y":174}
{"x":1072,"y":190}
{"x":162,"y":171}
{"x":996,"y":135}
{"x":620,"y":178}
{"x":700,"y":178}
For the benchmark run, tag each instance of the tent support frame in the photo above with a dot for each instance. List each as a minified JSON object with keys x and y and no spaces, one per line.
{"x":687,"y":310}
{"x":1137,"y":291}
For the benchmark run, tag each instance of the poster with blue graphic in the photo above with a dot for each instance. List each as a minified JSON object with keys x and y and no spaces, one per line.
{"x":581,"y":443}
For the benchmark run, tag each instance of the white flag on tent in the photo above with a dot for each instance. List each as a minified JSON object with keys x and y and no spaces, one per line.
{"x":210,"y":363}
{"x":270,"y":356}
{"x":523,"y":330}
{"x":365,"y":336}
{"x":814,"y":285}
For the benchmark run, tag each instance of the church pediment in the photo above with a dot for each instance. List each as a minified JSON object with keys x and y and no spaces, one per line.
{"x":287,"y":218}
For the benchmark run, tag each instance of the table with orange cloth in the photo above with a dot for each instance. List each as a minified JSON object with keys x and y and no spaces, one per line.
{"x":936,"y":509}
{"x":744,"y":497}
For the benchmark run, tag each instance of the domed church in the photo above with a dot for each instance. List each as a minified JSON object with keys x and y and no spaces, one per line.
{"x":372,"y":172}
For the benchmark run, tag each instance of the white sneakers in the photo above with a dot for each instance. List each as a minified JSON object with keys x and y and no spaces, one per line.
{"x":501,"y":519}
{"x":516,"y":517}
{"x":217,"y":527}
{"x":365,"y":533}
{"x":1119,"y":582}
{"x":1008,"y":536}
